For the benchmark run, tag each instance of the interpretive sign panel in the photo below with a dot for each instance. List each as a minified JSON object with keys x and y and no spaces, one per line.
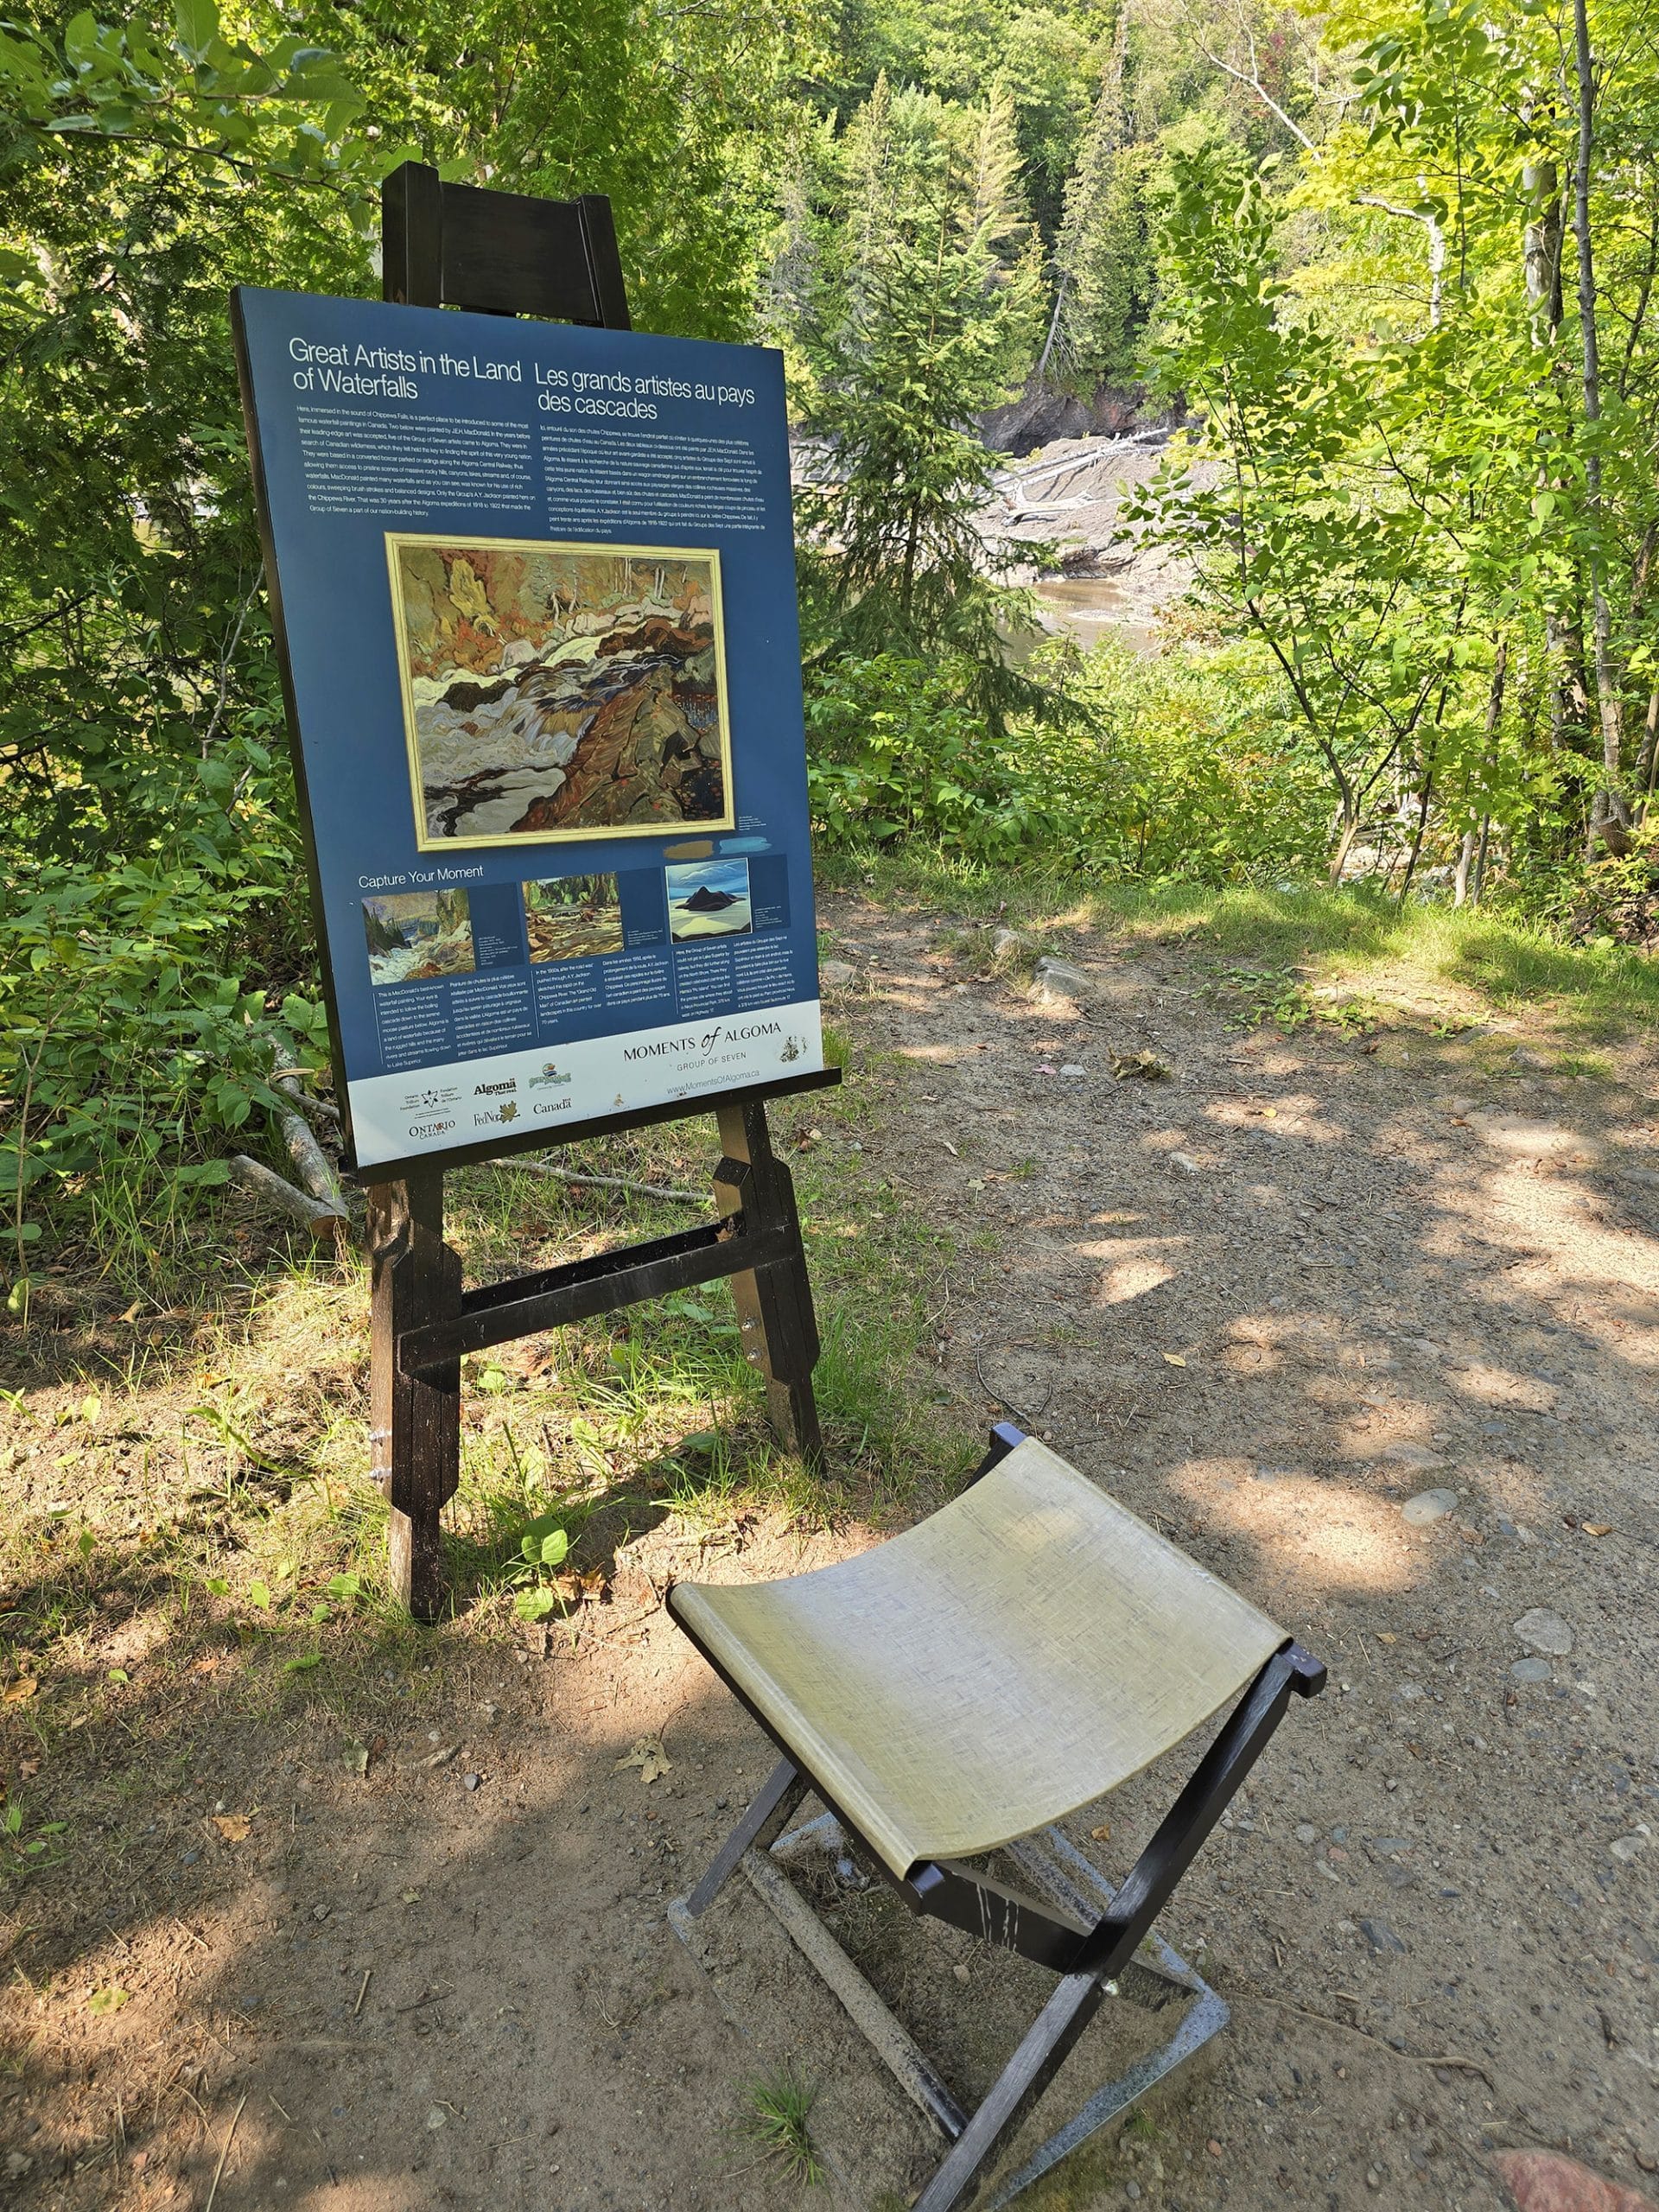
{"x":534,"y":589}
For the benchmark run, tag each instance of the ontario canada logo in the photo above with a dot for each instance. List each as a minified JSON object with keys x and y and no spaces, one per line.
{"x":430,"y":1128}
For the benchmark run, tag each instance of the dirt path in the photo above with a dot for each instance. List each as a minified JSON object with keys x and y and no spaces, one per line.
{"x":1268,"y":1301}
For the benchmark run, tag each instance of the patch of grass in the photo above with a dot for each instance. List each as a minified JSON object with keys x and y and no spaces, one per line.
{"x":196,"y":1482}
{"x":779,"y":2106}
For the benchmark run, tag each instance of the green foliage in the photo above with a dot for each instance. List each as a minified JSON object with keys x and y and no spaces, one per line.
{"x":913,"y":285}
{"x":683,"y":116}
{"x":545,"y":1545}
{"x":1173,"y":767}
{"x":129,"y":1047}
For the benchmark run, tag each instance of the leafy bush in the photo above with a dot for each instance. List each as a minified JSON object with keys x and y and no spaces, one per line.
{"x":137,"y":1025}
{"x":1172,"y":766}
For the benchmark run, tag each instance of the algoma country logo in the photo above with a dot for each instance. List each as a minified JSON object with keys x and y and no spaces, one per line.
{"x":496,"y":1089}
{"x":551,"y":1078}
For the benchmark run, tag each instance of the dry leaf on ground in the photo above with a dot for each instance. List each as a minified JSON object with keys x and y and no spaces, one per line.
{"x":649,"y":1756}
{"x":235,"y":1828}
{"x":1146,"y":1065}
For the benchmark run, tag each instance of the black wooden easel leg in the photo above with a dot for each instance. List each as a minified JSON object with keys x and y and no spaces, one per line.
{"x":774,"y":1302}
{"x":416,"y":1419}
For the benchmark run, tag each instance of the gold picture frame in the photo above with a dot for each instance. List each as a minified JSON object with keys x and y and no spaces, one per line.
{"x":464,"y":619}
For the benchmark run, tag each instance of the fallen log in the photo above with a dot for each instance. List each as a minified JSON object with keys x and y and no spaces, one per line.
{"x":321,"y":1220}
{"x":316,"y":1170}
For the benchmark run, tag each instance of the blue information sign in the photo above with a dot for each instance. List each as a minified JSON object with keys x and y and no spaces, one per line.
{"x":534,"y":587}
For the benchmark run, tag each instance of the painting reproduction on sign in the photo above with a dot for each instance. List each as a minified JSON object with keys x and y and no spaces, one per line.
{"x":557,"y":691}
{"x":416,"y":936}
{"x":573,"y":917}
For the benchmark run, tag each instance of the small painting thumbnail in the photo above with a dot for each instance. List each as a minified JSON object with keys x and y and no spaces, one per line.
{"x":414,"y":936}
{"x":708,"y":898}
{"x":573,"y":917}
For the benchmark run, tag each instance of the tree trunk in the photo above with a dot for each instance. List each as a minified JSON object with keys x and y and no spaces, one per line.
{"x":1480,"y":861}
{"x":1609,"y":815}
{"x":1647,"y":761}
{"x":1422,"y":825}
{"x":1348,"y":830}
{"x":1465,"y":860}
{"x":1494,"y":720}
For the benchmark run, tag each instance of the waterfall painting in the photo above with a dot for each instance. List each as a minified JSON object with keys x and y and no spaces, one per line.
{"x":418,"y":935}
{"x":556,"y":691}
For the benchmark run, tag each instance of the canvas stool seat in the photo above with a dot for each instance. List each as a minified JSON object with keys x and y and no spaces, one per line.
{"x":958,"y":1689}
{"x":1021,"y":1652}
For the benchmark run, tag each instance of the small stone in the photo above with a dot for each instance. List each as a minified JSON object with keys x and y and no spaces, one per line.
{"x":469,"y":1781}
{"x":835,"y":974}
{"x":319,"y":1911}
{"x":1406,"y":1454}
{"x":1063,"y":971}
{"x":1625,"y":1849}
{"x":1381,"y":1938}
{"x":1532,"y":1670}
{"x":1544,"y":1631}
{"x":1523,"y":1059}
{"x":1213,"y":2147}
{"x":1006,"y":944}
{"x":1307,"y":1832}
{"x":18,"y":2165}
{"x":960,"y":1971}
{"x":436,"y":2118}
{"x":1071,"y":1068}
{"x":1428,"y":1505}
{"x":1132,"y":2190}
{"x":1182,"y":1163}
{"x":1058,"y":982}
{"x":1373,"y":2179}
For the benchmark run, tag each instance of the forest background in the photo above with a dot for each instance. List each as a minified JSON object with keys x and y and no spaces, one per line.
{"x":1387,"y":271}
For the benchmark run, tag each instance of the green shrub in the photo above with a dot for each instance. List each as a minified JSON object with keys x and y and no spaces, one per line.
{"x":1175,"y":766}
{"x":139,"y":1016}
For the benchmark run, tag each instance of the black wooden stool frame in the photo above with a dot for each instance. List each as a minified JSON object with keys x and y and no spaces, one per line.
{"x":1090,"y":1943}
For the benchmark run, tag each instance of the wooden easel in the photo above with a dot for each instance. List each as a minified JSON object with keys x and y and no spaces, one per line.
{"x":502,"y":253}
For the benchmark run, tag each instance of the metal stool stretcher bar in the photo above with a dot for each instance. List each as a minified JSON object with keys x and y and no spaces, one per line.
{"x":958,"y":1690}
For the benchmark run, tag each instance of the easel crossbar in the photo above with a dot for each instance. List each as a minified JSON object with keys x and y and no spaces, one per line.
{"x":552,"y":1298}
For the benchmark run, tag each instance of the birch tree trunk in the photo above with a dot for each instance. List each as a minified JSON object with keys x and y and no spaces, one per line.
{"x":1610,"y":815}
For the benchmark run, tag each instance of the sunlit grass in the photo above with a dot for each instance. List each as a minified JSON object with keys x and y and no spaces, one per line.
{"x":209,"y":1470}
{"x":1357,"y":936}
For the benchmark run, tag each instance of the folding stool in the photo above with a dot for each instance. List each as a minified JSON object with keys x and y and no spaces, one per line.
{"x":957,"y":1691}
